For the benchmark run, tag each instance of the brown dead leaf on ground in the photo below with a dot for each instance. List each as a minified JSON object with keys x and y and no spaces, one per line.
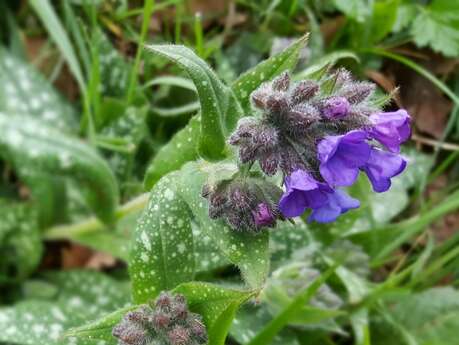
{"x":100,"y":261}
{"x":331,"y":26}
{"x":77,"y":256}
{"x":207,"y":6}
{"x":64,"y":82}
{"x":386,"y":82}
{"x":423,"y":100}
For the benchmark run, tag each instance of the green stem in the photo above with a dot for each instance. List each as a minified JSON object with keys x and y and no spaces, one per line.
{"x":419,"y":69}
{"x":147,"y":12}
{"x":93,"y":224}
{"x":413,"y":226}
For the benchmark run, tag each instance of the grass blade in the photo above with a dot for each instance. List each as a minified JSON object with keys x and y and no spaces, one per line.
{"x":55,"y":29}
{"x":268,"y":333}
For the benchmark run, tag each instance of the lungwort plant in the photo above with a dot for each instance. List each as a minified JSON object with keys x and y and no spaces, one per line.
{"x":231,"y":242}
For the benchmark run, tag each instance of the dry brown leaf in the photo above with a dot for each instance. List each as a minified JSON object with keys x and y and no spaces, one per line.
{"x":99,"y":261}
{"x":75,"y":256}
{"x":423,"y":100}
{"x":385,"y":81}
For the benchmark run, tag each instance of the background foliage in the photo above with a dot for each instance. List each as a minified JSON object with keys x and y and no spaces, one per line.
{"x":107,"y":135}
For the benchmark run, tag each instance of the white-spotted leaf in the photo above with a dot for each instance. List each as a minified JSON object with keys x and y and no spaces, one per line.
{"x":216,"y":304}
{"x":249,"y":252}
{"x":32,"y":146}
{"x":81,"y":296}
{"x":162,"y":254}
{"x":267,"y":70}
{"x":219,"y":108}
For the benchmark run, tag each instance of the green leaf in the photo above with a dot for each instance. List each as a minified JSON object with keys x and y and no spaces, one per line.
{"x":82,"y":296}
{"x":114,"y":70}
{"x":384,"y":16}
{"x":355,"y":9}
{"x":325,"y":62}
{"x":100,"y":329}
{"x":249,"y":252}
{"x":286,"y":240}
{"x":20,"y":242}
{"x":250,"y":320}
{"x":114,"y":241}
{"x":360,"y":325}
{"x":130,"y":127}
{"x":27,"y":92}
{"x":183,"y":189}
{"x":427,"y":318}
{"x":162,"y":254}
{"x":179,"y":150}
{"x":207,"y":255}
{"x":33,"y":146}
{"x":219,"y":108}
{"x":216,"y":304}
{"x":265,"y":71}
{"x":406,"y":13}
{"x":267,"y":334}
{"x":57,"y":32}
{"x":182,"y":147}
{"x":285,"y":283}
{"x":438,"y":27}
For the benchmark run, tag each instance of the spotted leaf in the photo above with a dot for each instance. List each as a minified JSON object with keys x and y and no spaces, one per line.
{"x":265,"y":71}
{"x":216,"y":304}
{"x":247,"y":251}
{"x":81,"y":296}
{"x":219,"y":108}
{"x":162,"y":254}
{"x":32,"y":146}
{"x":179,"y":150}
{"x":27,"y":92}
{"x":20,"y":242}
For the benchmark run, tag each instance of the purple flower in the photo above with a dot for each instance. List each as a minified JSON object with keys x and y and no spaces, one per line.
{"x":303,"y":192}
{"x":341,"y":156}
{"x":338,"y":203}
{"x":391,"y":129}
{"x":335,"y":108}
{"x":381,"y":167}
{"x":263,"y":215}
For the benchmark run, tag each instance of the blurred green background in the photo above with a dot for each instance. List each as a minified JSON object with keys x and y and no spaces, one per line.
{"x":89,"y":121}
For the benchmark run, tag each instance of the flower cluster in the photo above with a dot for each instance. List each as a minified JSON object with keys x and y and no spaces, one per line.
{"x":166,"y":322}
{"x":246,"y":204}
{"x":321,"y":134}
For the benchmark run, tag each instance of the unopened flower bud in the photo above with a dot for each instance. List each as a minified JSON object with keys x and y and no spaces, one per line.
{"x":300,"y":117}
{"x":260,"y":95}
{"x":163,"y":301}
{"x":130,"y":334}
{"x":335,"y":108}
{"x":251,"y":203}
{"x":198,"y":330}
{"x":282,"y":82}
{"x":167,"y":321}
{"x":161,"y":321}
{"x":303,"y":91}
{"x":270,"y":163}
{"x":179,"y":335}
{"x":263,"y":216}
{"x":276,"y":103}
{"x":357,"y":92}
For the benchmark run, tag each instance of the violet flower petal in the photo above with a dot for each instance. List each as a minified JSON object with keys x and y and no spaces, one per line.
{"x":381,"y":167}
